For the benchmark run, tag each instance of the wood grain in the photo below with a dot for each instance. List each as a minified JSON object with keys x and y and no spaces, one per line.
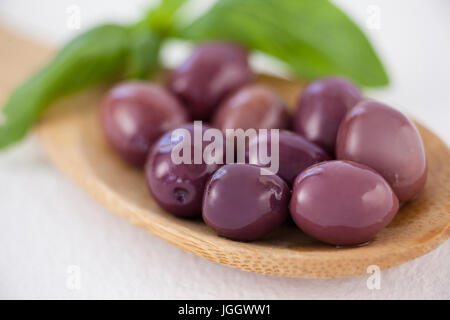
{"x":71,"y":135}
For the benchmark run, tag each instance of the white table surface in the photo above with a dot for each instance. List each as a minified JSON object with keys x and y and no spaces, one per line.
{"x":50,"y":231}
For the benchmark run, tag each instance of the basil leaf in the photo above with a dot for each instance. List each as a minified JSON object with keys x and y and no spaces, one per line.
{"x":96,"y":55}
{"x":93,"y":56}
{"x":148,"y":35}
{"x":143,"y":57}
{"x":162,"y":18}
{"x":312,"y":36}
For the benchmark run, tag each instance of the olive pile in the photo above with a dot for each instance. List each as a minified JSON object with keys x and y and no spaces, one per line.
{"x":343,"y":168}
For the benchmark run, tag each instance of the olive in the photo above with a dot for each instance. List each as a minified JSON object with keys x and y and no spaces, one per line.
{"x":295,"y":153}
{"x":212,"y":72}
{"x":240,"y":203}
{"x":252,"y":106}
{"x":135,"y":114}
{"x":342,"y":203}
{"x":384,"y":139}
{"x":178,"y":187}
{"x":321,"y":108}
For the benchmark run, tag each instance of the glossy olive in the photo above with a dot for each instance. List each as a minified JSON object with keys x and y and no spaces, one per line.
{"x":252,"y":106}
{"x":295,"y":153}
{"x":178,"y":188}
{"x":387,"y":141}
{"x":212,"y":72}
{"x":342,"y":202}
{"x":241,"y":204}
{"x":321,"y":108}
{"x":135,"y":114}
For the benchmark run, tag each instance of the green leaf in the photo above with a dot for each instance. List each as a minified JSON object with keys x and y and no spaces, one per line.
{"x":312,"y":36}
{"x":98,"y":54}
{"x":143,"y":57}
{"x":162,"y":18}
{"x":93,"y":56}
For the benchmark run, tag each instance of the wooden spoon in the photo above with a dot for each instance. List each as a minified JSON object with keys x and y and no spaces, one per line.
{"x":71,"y":135}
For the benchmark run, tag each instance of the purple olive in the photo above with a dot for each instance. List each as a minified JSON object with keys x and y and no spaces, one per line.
{"x":241,"y":204}
{"x":342,"y":202}
{"x":295,"y":153}
{"x":213,"y":71}
{"x":321,"y":108}
{"x":387,"y":141}
{"x":135,"y":114}
{"x":252,"y":106}
{"x":178,"y":188}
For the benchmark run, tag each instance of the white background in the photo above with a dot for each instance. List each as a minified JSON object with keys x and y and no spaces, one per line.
{"x":48,"y":225}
